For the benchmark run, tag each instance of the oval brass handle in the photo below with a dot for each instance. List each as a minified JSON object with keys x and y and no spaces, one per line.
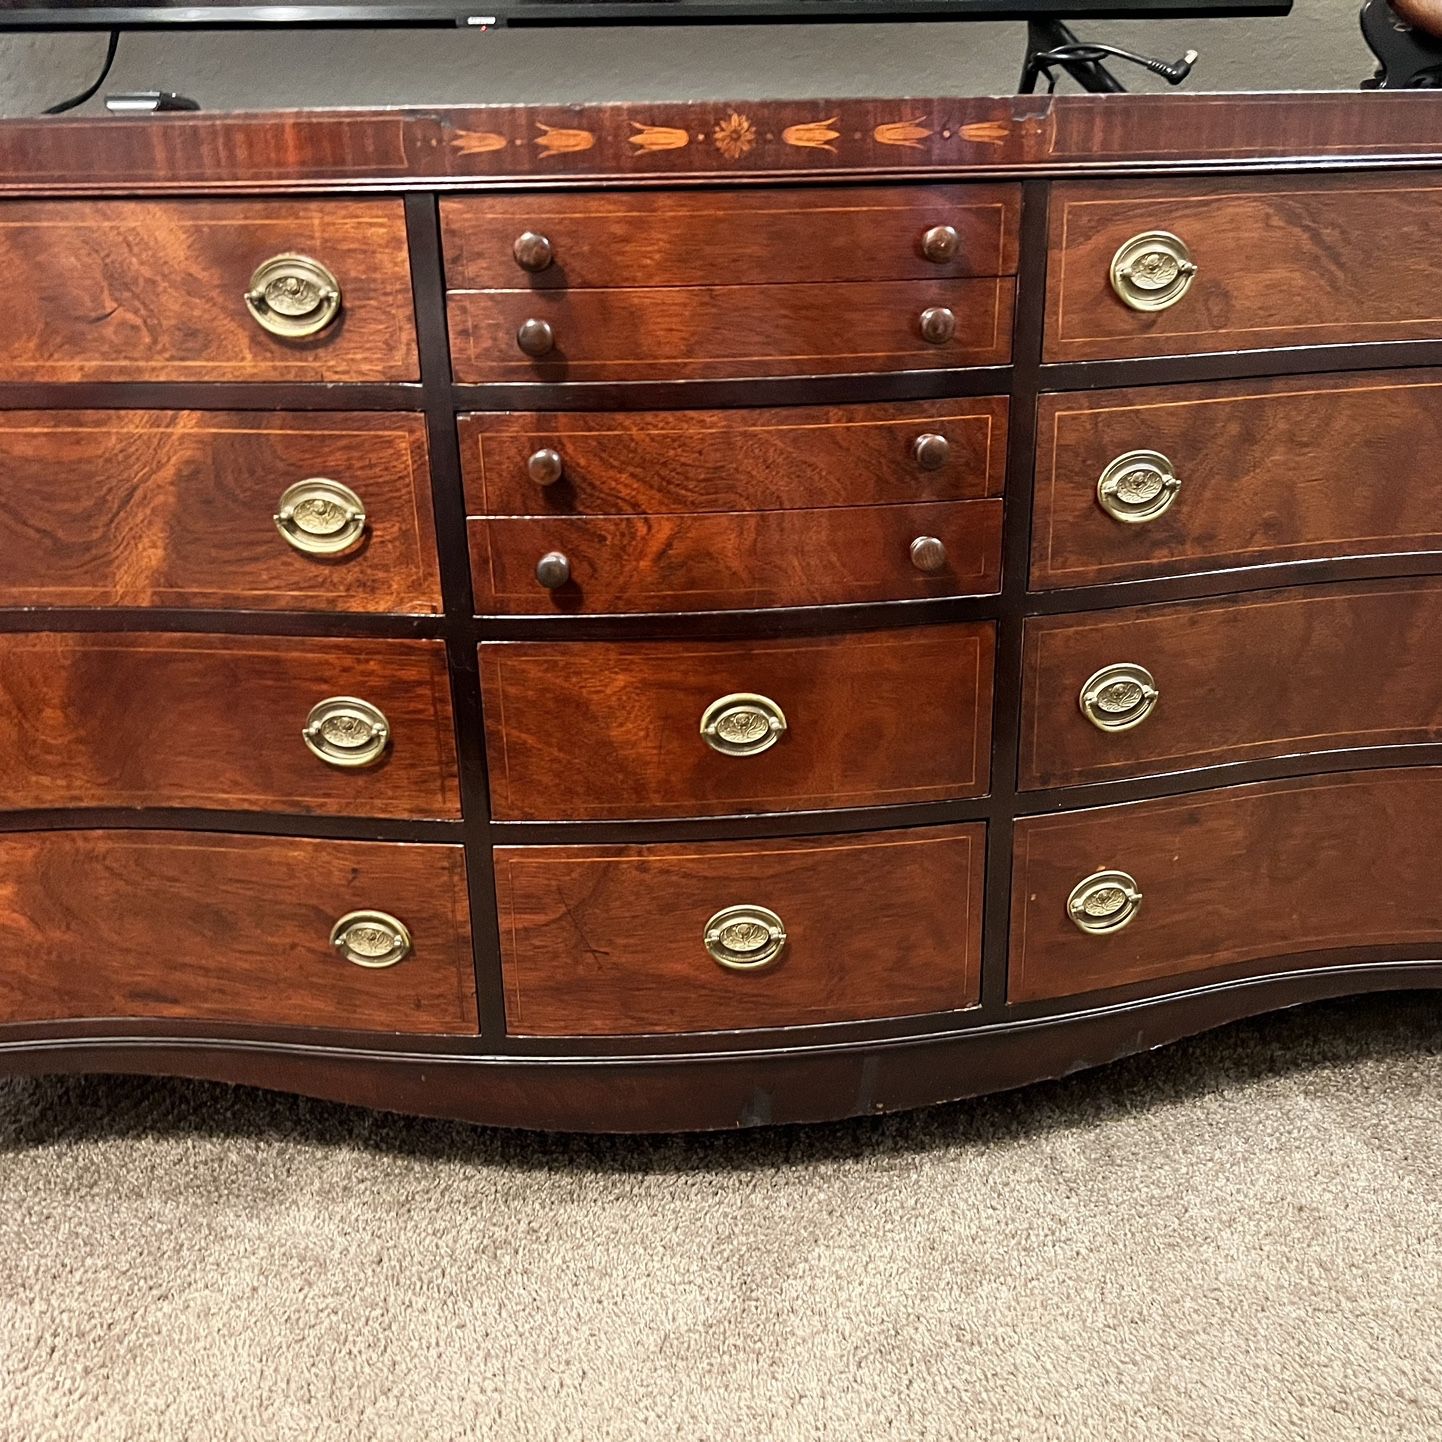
{"x":1118,"y":697}
{"x":744,"y":938}
{"x":320,"y":517}
{"x":293,"y":296}
{"x":545,"y":466}
{"x":1104,"y":902}
{"x":742,"y":724}
{"x":1137,"y":487}
{"x":940,"y":243}
{"x":928,"y":553}
{"x":346,"y":731}
{"x":373,"y":939}
{"x":532,"y":251}
{"x":931,"y":451}
{"x":536,"y":337}
{"x":938,"y":324}
{"x":553,"y":570}
{"x":1153,"y":270}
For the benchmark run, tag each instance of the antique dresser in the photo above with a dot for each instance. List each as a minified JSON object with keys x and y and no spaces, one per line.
{"x":655,"y":617}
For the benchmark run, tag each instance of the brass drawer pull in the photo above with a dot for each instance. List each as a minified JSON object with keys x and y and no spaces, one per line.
{"x":293,"y":296}
{"x":928,"y":553}
{"x":346,"y":731}
{"x":931,"y":451}
{"x":1138,"y":487}
{"x":545,"y":466}
{"x":553,"y":570}
{"x":744,"y":938}
{"x":1118,"y":697}
{"x":1153,"y":270}
{"x":321,"y":517}
{"x":938,"y":324}
{"x":940,"y":243}
{"x":532,"y":251}
{"x":373,"y":939}
{"x":1104,"y":902}
{"x":742,"y":724}
{"x":536,"y":337}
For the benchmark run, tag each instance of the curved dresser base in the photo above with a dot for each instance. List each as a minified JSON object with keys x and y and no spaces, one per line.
{"x":714,"y":1090}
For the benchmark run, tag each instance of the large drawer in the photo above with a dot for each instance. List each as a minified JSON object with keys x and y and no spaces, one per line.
{"x":1263,"y":876}
{"x":178,"y":509}
{"x":1279,"y":673}
{"x":120,"y":290}
{"x":586,"y":730}
{"x":609,"y":940}
{"x":134,"y":924}
{"x":1285,"y":261}
{"x":121,"y":720}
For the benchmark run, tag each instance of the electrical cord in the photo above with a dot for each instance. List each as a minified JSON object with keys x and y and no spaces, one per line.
{"x":75,"y":100}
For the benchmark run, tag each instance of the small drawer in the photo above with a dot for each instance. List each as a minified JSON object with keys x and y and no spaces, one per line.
{"x":1262,"y":473}
{"x":558,"y":565}
{"x":233,"y":723}
{"x":206,"y":290}
{"x":1152,"y":689}
{"x":1180,"y":267}
{"x":658,"y":462}
{"x":652,"y":238}
{"x":183,"y":509}
{"x":1270,"y":877}
{"x":243,"y":929}
{"x":721,"y":936}
{"x":618,"y":730}
{"x":725,"y":332}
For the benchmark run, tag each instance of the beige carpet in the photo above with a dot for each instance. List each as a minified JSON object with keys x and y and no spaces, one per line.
{"x":1238,"y":1238}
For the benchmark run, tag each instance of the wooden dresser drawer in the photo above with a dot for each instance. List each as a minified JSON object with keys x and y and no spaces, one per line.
{"x":120,"y":290}
{"x":202,"y":927}
{"x":609,"y":940}
{"x":652,"y":238}
{"x":659,"y":462}
{"x":587,"y":730}
{"x":178,"y":509}
{"x":731,"y":331}
{"x":1271,"y":471}
{"x":1279,"y":673}
{"x":748,"y":560}
{"x":1284,"y":261}
{"x":122,"y":720}
{"x":1264,"y":876}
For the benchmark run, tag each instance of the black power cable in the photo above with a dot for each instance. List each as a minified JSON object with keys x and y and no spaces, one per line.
{"x":62,"y":106}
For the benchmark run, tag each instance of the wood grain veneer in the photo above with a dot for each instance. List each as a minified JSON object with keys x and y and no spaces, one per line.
{"x":229,"y":929}
{"x":585,"y":730}
{"x":607,"y":940}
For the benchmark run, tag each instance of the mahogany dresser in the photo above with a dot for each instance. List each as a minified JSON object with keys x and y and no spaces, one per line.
{"x":654,"y":617}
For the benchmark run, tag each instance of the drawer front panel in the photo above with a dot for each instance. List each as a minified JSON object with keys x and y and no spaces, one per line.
{"x":726,"y":332}
{"x":1271,"y":471}
{"x":230,"y":929}
{"x":752,"y":460}
{"x":736,"y":562}
{"x":177,"y":509}
{"x":651,"y":238}
{"x":217,"y":721}
{"x":1281,"y":673}
{"x":610,"y":940}
{"x":118,"y":290}
{"x":590,"y":730}
{"x":1239,"y":876}
{"x":1280,"y":262}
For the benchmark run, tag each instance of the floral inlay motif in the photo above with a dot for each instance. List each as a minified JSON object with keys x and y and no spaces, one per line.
{"x":477,"y":142}
{"x":909,"y":133}
{"x":562,"y":142}
{"x":734,"y":136}
{"x":658,"y":137}
{"x":817,"y":136}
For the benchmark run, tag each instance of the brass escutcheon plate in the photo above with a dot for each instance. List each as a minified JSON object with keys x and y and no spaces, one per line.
{"x":320,"y":517}
{"x":373,"y":939}
{"x":1153,"y":270}
{"x":1138,"y":486}
{"x":744,"y":938}
{"x":293,"y":296}
{"x":1104,"y":902}
{"x":346,"y":731}
{"x":742,"y":724}
{"x":1119,"y":696}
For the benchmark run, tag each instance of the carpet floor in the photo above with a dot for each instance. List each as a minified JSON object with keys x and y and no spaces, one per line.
{"x":1238,"y":1238}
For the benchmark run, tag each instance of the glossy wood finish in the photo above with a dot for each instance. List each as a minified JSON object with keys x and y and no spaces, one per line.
{"x":175,"y":509}
{"x":122,"y":290}
{"x":215,"y":722}
{"x":1285,"y":261}
{"x":229,"y":929}
{"x":719,"y":332}
{"x":588,"y":730}
{"x":756,"y":459}
{"x":750,"y":560}
{"x":606,"y":940}
{"x":651,"y":238}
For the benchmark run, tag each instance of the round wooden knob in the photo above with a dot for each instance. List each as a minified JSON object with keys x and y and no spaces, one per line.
{"x":940,"y":243}
{"x":545,"y":466}
{"x":938,"y":324}
{"x":931,"y":451}
{"x":536,"y":337}
{"x":928,"y":554}
{"x":532,"y":251}
{"x":553,"y":570}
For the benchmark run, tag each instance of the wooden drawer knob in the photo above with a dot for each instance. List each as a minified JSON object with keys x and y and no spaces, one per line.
{"x":553,"y":570}
{"x":742,"y":724}
{"x":320,"y":517}
{"x":1118,"y":697}
{"x":347,"y":732}
{"x":536,"y":337}
{"x":372,"y":939}
{"x":928,"y":553}
{"x":940,"y":243}
{"x":931,"y":451}
{"x":744,"y":938}
{"x":293,"y":296}
{"x":1104,"y":902}
{"x":1152,"y":271}
{"x":938,"y":324}
{"x":1137,"y":487}
{"x":532,"y":251}
{"x":545,"y":466}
